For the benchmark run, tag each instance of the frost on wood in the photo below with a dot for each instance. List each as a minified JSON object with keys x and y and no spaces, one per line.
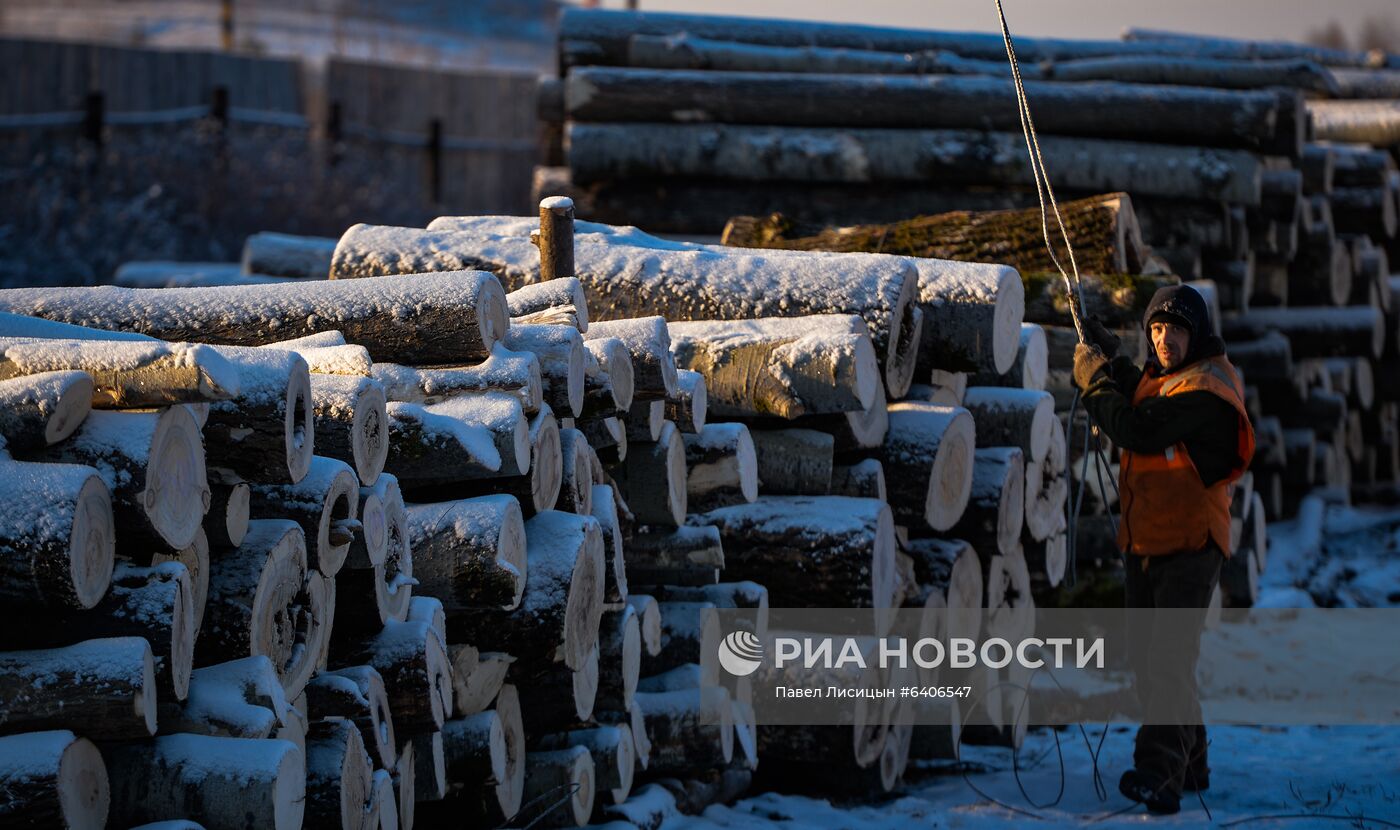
{"x":927,"y":455}
{"x":267,"y":432}
{"x":426,"y":448}
{"x":57,"y":537}
{"x":470,"y":553}
{"x":105,"y":688}
{"x":554,"y":301}
{"x":127,"y":374}
{"x":559,"y":350}
{"x":428,"y":318}
{"x":49,"y":778}
{"x":38,"y":410}
{"x":509,"y":371}
{"x":503,"y":418}
{"x":325,"y":504}
{"x":285,"y":255}
{"x":350,"y":423}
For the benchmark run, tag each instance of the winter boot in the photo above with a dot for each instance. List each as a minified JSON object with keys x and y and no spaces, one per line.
{"x":1145,"y":790}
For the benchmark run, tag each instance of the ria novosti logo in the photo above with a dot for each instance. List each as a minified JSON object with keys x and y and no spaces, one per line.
{"x":740,"y":653}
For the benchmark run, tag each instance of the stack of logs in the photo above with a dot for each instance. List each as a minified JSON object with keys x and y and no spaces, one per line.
{"x":352,"y":552}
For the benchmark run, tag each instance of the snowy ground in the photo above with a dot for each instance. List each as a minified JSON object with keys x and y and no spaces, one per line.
{"x":1261,"y":777}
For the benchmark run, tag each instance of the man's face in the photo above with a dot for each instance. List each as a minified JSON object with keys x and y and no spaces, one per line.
{"x":1170,"y":341}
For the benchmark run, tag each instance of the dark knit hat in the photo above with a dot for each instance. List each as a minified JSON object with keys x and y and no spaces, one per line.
{"x":1180,"y":304}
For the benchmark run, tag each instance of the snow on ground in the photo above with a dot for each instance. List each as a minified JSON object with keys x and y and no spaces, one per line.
{"x":1261,"y":776}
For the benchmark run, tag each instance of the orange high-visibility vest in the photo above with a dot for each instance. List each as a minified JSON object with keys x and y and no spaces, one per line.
{"x":1163,"y":504}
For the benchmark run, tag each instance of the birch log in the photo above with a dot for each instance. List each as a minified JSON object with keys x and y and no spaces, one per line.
{"x":575,"y":473}
{"x":928,"y":455}
{"x":609,"y":380}
{"x":653,"y":479}
{"x":620,"y":653}
{"x":996,"y":507}
{"x":648,"y":341}
{"x":267,"y":432}
{"x":604,"y":509}
{"x":516,"y":373}
{"x":53,"y":779}
{"x":569,"y":772}
{"x":1022,"y":418}
{"x":431,"y":449}
{"x":325,"y":504}
{"x":387,"y":585}
{"x":721,"y":467}
{"x":350,"y":423}
{"x":689,"y":407}
{"x":613,"y":753}
{"x":126,"y":374}
{"x":451,"y":318}
{"x":658,"y":556}
{"x":1029,"y":369}
{"x":864,"y":480}
{"x":356,"y":694}
{"x":153,"y":463}
{"x":105,"y":688}
{"x":785,"y":367}
{"x":555,"y":301}
{"x":504,"y":420}
{"x":559,"y":350}
{"x":1315,"y":331}
{"x":796,"y":462}
{"x":226,"y":522}
{"x":338,"y":776}
{"x":57,"y":539}
{"x":470,"y":554}
{"x":411,"y":657}
{"x":972,"y":315}
{"x":43,"y":409}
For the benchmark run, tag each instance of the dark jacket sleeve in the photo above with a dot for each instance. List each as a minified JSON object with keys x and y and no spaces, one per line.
{"x":1203,"y":421}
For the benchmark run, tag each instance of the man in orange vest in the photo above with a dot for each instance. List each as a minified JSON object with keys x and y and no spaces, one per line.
{"x":1184,"y":439}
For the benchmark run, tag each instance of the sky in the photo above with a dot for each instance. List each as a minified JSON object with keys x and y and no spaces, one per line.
{"x":1265,"y":19}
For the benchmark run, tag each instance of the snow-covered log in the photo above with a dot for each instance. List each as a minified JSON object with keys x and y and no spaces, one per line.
{"x":517,"y":373}
{"x":552,"y":695}
{"x":864,"y":480}
{"x":972,"y":315}
{"x":53,"y":779}
{"x":476,"y":677}
{"x":504,"y":420}
{"x":226,"y":522}
{"x":430,"y":449}
{"x":1296,"y":73}
{"x":387,"y":585}
{"x":819,"y":551}
{"x":653,"y":478}
{"x":470,"y":554}
{"x":266,"y":433}
{"x":603,"y":507}
{"x":356,"y":694}
{"x":795,"y":462}
{"x":224,"y":783}
{"x":613,"y":753}
{"x":1047,"y":488}
{"x":236,"y":699}
{"x":686,"y":627}
{"x":609,"y":381}
{"x":784,"y":367}
{"x":338,"y":774}
{"x":555,"y":301}
{"x":620,"y":656}
{"x":259,"y":604}
{"x":562,"y":774}
{"x":648,"y":341}
{"x":1022,"y":418}
{"x":750,"y":596}
{"x":383,"y":809}
{"x":721,"y":467}
{"x":689,"y":729}
{"x":952,"y":568}
{"x":575,"y":473}
{"x":153,"y":463}
{"x":563,"y":597}
{"x":658,"y":556}
{"x":1221,"y":118}
{"x":286,"y":255}
{"x":536,"y":490}
{"x":928,"y":458}
{"x":689,"y":407}
{"x":104,"y":688}
{"x":996,"y":506}
{"x":325,"y":504}
{"x":411,"y":658}
{"x":853,"y":431}
{"x":644,"y":420}
{"x":556,"y":239}
{"x":608,"y":151}
{"x":1315,"y":331}
{"x":607,"y":437}
{"x":57,"y":537}
{"x":350,"y":424}
{"x":43,"y":409}
{"x":125,"y":374}
{"x":1029,"y":369}
{"x":559,"y":350}
{"x":430,"y":319}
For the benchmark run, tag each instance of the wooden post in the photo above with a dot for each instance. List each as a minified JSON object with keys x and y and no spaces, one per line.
{"x":556,"y":238}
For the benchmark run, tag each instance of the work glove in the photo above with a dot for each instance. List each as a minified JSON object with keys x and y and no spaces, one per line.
{"x":1097,"y":334}
{"x":1088,"y":360}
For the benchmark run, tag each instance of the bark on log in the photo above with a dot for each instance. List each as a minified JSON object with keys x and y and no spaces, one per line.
{"x":388,"y":585}
{"x":430,"y":449}
{"x":683,"y":50}
{"x":1046,"y":559}
{"x":1320,"y":275}
{"x":613,"y":753}
{"x":237,"y":699}
{"x":356,"y":694}
{"x":105,"y":688}
{"x":553,"y":695}
{"x":559,"y":350}
{"x":563,"y":597}
{"x":474,"y":749}
{"x":537,"y":490}
{"x":658,"y":556}
{"x":554,"y":301}
{"x":1104,"y":109}
{"x":576,"y":474}
{"x":1031,"y":366}
{"x":567,"y":771}
{"x":153,"y":463}
{"x":350,"y":423}
{"x":620,"y":658}
{"x":1368,"y":210}
{"x":721,"y":467}
{"x":952,"y":568}
{"x":125,"y":374}
{"x":1119,"y":300}
{"x":795,"y":462}
{"x":607,"y":438}
{"x":286,"y":255}
{"x":690,"y":405}
{"x":1047,"y":488}
{"x":686,"y":628}
{"x":750,"y":596}
{"x":996,"y":505}
{"x":266,"y":433}
{"x":411,"y":657}
{"x":689,"y":729}
{"x":783,"y":367}
{"x":1315,"y":331}
{"x":862,"y":480}
{"x":259,"y":604}
{"x":53,"y":779}
{"x":57,"y":539}
{"x":606,"y":151}
{"x":648,"y":341}
{"x":604,"y":509}
{"x":609,"y":382}
{"x":1359,"y":122}
{"x":928,"y":452}
{"x":821,"y":552}
{"x":556,"y":238}
{"x":653,"y":479}
{"x":1022,"y":418}
{"x":644,"y":420}
{"x":650,"y":615}
{"x":226,"y":522}
{"x":338,"y":775}
{"x":504,"y":420}
{"x":1202,"y":72}
{"x":43,"y":409}
{"x":470,"y":554}
{"x":517,"y":373}
{"x":223,"y":782}
{"x":1104,"y":228}
{"x":853,"y":431}
{"x":325,"y":504}
{"x":451,"y":318}
{"x":972,"y":314}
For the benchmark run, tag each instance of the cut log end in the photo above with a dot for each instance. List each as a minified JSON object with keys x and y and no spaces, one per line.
{"x":177,"y":492}
{"x":92,"y":544}
{"x":369,"y":434}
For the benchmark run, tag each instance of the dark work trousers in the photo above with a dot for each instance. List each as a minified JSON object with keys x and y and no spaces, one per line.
{"x":1165,"y":661}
